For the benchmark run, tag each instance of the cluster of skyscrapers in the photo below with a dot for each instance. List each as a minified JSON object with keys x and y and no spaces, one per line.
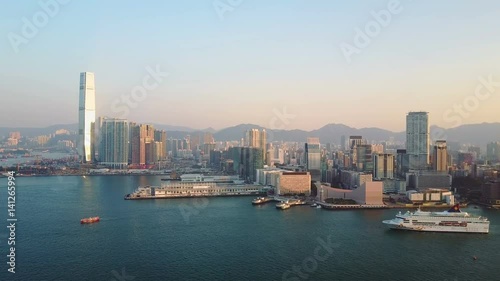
{"x":118,"y":143}
{"x":113,"y":142}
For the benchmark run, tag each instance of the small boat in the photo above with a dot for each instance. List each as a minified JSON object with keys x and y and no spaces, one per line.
{"x":314,"y":205}
{"x":318,"y":207}
{"x":258,"y":200}
{"x":89,"y":220}
{"x":283,"y":205}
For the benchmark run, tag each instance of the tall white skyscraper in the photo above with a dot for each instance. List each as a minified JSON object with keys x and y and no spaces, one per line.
{"x":417,"y":140}
{"x":86,"y":117}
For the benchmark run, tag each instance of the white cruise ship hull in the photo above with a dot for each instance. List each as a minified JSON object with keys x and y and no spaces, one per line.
{"x":470,"y":228}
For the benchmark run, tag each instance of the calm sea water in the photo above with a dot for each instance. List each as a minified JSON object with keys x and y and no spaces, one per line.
{"x":22,"y":160}
{"x":221,"y":239}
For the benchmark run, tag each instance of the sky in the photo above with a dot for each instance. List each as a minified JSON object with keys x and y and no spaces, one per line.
{"x":278,"y":64}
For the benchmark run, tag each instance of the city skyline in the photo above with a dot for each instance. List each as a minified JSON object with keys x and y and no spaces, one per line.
{"x":261,"y":72}
{"x":250,"y":140}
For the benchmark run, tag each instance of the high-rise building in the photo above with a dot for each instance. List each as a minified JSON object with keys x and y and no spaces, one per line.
{"x":258,"y":139}
{"x":263,"y":139}
{"x":15,"y":135}
{"x":440,"y":156}
{"x":86,"y":117}
{"x":140,"y":136}
{"x":208,"y":137}
{"x":157,"y":151}
{"x":476,"y":151}
{"x":207,"y":147}
{"x":355,"y":141}
{"x":402,"y":163}
{"x":383,"y":167}
{"x":493,"y":152}
{"x":161,"y":137}
{"x":364,"y":161}
{"x":464,"y":158}
{"x":313,"y":158}
{"x":251,"y":159}
{"x":263,"y":144}
{"x":253,"y":138}
{"x":378,"y":148}
{"x":194,"y":142}
{"x":417,"y":140}
{"x":216,"y":158}
{"x":114,"y":143}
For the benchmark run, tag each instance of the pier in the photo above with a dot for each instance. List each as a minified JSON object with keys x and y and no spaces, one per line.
{"x":284,"y":203}
{"x":350,"y":207}
{"x":187,"y":190}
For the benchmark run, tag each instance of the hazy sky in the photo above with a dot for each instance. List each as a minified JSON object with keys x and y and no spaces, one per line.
{"x":252,"y":62}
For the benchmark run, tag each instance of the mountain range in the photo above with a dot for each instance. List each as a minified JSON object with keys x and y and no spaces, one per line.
{"x":475,"y":134}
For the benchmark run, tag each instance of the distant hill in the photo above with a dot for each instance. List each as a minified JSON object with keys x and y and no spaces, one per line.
{"x":33,"y":132}
{"x":475,"y":134}
{"x":236,"y":132}
{"x":172,"y":128}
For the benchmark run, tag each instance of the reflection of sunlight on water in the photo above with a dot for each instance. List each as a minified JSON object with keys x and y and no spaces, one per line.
{"x":61,"y":183}
{"x":86,"y":182}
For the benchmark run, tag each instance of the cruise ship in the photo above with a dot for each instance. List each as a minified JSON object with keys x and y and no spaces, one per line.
{"x":453,"y":220}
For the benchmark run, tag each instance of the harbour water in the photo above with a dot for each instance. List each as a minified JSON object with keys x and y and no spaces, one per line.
{"x":20,"y":159}
{"x":221,"y":238}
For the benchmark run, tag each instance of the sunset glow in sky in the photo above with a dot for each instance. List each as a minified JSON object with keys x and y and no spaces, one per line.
{"x":254,"y":59}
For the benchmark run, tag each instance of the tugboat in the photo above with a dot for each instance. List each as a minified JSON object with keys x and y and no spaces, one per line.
{"x":89,"y":220}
